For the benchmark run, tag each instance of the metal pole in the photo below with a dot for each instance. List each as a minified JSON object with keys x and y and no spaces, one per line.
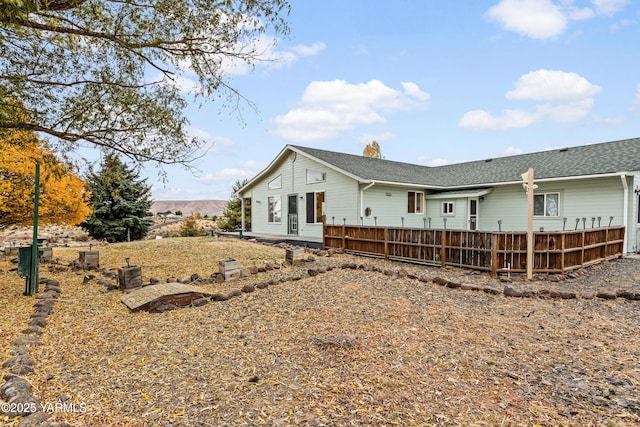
{"x":33,"y":273}
{"x":530,"y":223}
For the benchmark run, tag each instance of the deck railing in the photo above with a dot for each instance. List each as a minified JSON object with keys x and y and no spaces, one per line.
{"x":495,"y":252}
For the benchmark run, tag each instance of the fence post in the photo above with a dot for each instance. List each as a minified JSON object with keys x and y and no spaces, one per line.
{"x":344,"y":246}
{"x":443,"y":249}
{"x":386,"y":243}
{"x":494,"y":255}
{"x":562,"y":251}
{"x":324,"y":231}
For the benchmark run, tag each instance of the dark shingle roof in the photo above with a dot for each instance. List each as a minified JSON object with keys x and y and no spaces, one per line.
{"x":594,"y":159}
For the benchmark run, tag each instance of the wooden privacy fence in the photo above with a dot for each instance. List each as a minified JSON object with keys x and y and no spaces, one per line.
{"x":495,"y":252}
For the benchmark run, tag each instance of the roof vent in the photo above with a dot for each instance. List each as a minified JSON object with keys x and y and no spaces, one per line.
{"x":563,"y":149}
{"x":488,"y":160}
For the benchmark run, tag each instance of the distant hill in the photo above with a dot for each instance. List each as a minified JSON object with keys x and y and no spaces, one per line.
{"x":189,"y":207}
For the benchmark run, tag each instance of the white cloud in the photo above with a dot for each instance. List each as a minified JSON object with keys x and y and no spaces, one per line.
{"x":552,"y":85}
{"x":569,"y":98}
{"x":637,"y":98}
{"x":229,"y":174}
{"x":253,"y":164}
{"x":367,"y":138}
{"x":328,"y":108}
{"x":609,"y":7}
{"x":438,"y":162}
{"x":312,"y":50}
{"x":545,"y":19}
{"x":481,"y":119}
{"x":538,"y":19}
{"x":512,"y":151}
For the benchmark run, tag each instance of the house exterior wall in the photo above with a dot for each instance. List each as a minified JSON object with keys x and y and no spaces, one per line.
{"x":341,"y":195}
{"x":389,"y":206}
{"x":584,"y":198}
{"x":347,"y":200}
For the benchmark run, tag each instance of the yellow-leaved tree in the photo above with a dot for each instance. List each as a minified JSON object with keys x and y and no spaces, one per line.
{"x":63,"y":197}
{"x":372,"y":150}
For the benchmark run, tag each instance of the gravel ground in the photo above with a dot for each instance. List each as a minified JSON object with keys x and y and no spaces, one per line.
{"x":344,"y":340}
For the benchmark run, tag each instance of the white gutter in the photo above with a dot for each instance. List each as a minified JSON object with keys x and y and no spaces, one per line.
{"x":625,"y":211}
{"x":362,"y":197}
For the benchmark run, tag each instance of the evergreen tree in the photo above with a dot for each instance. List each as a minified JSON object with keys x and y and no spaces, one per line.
{"x":231,"y":218}
{"x":120,"y":200}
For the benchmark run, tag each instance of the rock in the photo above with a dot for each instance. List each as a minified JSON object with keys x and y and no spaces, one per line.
{"x":248,"y":289}
{"x":36,"y":419}
{"x":606,"y":294}
{"x":53,"y":288}
{"x":184,"y":279}
{"x":262,"y":270}
{"x":49,"y":294}
{"x":469,"y":287}
{"x":491,"y":291}
{"x":24,"y":359}
{"x":219,"y":297}
{"x":200,"y":302}
{"x":453,"y":285}
{"x":555,"y":278}
{"x":161,"y":307}
{"x":39,"y":322}
{"x":310,"y":258}
{"x":505,"y":279}
{"x":440,"y":281}
{"x":268,"y":266}
{"x":512,"y":292}
{"x":253,"y":269}
{"x":312,"y":272}
{"x":154,"y":280}
{"x":630,"y":295}
{"x":195,"y":277}
{"x":235,"y":293}
{"x":402,"y":274}
{"x":171,"y":280}
{"x":35,"y":330}
{"x":26,"y":341}
{"x":262,"y":285}
{"x":244,"y":272}
{"x":219,"y":278}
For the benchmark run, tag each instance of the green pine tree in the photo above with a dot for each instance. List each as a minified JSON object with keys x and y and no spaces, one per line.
{"x":231,"y":218}
{"x":120,"y":200}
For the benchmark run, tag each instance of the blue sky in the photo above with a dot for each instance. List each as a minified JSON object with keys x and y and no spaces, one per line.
{"x":433,"y":81}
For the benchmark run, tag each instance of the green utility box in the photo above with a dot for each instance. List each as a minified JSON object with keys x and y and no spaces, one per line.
{"x":24,"y":265}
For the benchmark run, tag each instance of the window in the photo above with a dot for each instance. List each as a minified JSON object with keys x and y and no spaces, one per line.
{"x":275,"y":209}
{"x":275,"y":183}
{"x":546,"y":204}
{"x":315,"y":207}
{"x":638,"y":209}
{"x":315,"y":176}
{"x":415,"y":202}
{"x":447,"y":208}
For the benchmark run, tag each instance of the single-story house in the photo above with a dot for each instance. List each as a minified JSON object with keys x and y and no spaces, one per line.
{"x":576,"y":187}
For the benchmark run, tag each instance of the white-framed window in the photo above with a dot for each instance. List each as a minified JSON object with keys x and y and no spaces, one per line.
{"x":415,"y":202}
{"x":314,"y":176}
{"x":315,"y":207}
{"x":275,"y":183}
{"x":274,"y":206}
{"x":546,"y":204}
{"x":447,"y":208}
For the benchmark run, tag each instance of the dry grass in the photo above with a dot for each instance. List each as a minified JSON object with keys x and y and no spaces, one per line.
{"x":347,"y":347}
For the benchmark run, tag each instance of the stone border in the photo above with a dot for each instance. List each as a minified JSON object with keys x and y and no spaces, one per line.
{"x":17,"y":390}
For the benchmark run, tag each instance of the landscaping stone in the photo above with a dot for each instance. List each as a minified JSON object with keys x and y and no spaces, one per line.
{"x":248,"y":288}
{"x":219,"y":297}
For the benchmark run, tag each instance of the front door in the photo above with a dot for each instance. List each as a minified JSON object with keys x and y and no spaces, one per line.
{"x":292,"y":216}
{"x":473,"y":214}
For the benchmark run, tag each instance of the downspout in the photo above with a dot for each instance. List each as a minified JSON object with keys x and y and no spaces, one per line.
{"x":242,"y":227}
{"x":362,"y":197}
{"x":625,"y":211}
